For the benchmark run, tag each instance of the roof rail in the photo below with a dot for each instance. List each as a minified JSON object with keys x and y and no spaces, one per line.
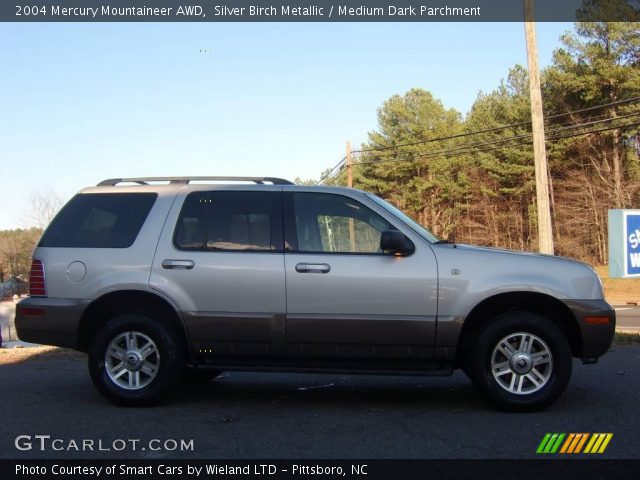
{"x":112,"y":182}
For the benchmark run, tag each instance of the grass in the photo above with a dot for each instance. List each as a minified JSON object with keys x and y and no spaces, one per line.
{"x":626,"y":338}
{"x":619,"y":290}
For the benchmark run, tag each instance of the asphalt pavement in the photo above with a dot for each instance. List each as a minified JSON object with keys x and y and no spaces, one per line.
{"x":265,"y":415}
{"x":627,"y":318}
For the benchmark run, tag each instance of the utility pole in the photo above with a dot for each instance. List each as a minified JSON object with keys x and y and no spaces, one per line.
{"x":352,"y":229}
{"x":349,"y":165}
{"x":545,"y":234}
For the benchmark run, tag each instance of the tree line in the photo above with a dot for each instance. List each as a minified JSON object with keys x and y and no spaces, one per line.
{"x":16,"y":245}
{"x":472,"y":178}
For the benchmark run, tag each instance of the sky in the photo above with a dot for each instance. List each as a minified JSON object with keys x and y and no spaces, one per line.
{"x":80,"y":103}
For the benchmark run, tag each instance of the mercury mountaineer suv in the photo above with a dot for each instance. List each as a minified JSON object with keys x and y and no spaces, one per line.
{"x":163,"y":279}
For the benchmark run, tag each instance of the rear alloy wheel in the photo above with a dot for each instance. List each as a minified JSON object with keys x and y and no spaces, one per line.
{"x":132,"y":360}
{"x":135,"y":360}
{"x":522,"y":362}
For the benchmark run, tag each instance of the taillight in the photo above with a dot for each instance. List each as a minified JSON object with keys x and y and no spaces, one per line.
{"x":37,"y":287}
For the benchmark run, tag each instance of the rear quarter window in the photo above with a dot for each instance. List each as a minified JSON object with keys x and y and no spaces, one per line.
{"x":99,"y":220}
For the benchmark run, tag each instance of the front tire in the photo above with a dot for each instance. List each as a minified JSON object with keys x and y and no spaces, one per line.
{"x":522,"y":362}
{"x":135,"y":360}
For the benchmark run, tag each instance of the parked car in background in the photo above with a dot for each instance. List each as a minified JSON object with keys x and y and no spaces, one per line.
{"x":164,"y":278}
{"x":14,"y":286}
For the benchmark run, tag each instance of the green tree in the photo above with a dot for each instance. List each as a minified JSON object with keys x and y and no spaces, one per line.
{"x":16,"y":247}
{"x":308,"y":181}
{"x":598,"y":64}
{"x":503,"y":170}
{"x":474,"y":179}
{"x":417,"y":178}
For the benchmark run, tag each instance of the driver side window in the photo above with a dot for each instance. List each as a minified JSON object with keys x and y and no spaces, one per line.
{"x":328,"y":223}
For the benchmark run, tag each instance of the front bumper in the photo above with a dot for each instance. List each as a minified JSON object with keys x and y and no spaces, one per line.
{"x":596,"y":338}
{"x":49,"y":321}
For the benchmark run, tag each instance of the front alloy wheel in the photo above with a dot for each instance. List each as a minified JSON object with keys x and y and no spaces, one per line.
{"x":521,"y":362}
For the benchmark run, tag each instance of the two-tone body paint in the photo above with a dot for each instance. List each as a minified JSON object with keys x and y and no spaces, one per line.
{"x":255,"y":304}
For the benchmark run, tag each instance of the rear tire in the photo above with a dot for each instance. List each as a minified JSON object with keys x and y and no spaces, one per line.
{"x":135,"y":360}
{"x":522,"y":362}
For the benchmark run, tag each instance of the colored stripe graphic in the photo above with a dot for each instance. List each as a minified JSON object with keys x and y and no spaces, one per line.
{"x":567,"y":443}
{"x":598,"y":443}
{"x":574,"y":443}
{"x":577,"y":437}
{"x":605,"y":444}
{"x":550,"y":443}
{"x":594,"y":437}
{"x":581,"y":442}
{"x":556,"y":445}
{"x":543,"y":443}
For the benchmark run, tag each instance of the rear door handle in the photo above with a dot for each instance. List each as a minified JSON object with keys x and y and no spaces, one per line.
{"x":313,"y":268}
{"x":177,"y":264}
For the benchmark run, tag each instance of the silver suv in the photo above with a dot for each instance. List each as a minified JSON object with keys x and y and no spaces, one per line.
{"x":163,"y":279}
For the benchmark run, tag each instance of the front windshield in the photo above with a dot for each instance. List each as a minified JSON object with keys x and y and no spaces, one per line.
{"x":430,"y":237}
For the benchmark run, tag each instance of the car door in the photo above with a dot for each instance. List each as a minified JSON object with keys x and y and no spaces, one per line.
{"x":222,"y":262}
{"x":345,"y":297}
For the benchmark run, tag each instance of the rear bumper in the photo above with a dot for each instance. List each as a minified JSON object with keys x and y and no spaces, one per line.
{"x":49,"y":321}
{"x":596,"y":338}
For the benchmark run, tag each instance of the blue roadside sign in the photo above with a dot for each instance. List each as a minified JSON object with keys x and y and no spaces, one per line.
{"x":632,"y":244}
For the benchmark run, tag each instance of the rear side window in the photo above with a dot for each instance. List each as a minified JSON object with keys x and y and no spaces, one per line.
{"x":229,"y":221}
{"x":99,"y":220}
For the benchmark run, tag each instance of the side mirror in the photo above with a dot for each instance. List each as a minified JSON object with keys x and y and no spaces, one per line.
{"x":396,"y":243}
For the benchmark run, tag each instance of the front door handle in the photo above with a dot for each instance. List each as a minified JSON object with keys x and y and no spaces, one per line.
{"x":313,"y":268}
{"x":177,"y":264}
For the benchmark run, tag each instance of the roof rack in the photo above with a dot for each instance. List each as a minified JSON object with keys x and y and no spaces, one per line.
{"x":112,"y":182}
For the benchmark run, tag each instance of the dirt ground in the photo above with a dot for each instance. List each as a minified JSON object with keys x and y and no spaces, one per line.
{"x":619,"y":290}
{"x":18,"y":355}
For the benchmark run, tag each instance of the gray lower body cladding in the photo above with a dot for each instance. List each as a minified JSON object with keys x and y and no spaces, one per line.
{"x":596,"y":338}
{"x":54,"y":321}
{"x":50,"y":321}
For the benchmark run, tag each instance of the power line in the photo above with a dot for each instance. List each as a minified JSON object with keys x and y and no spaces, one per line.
{"x":488,"y":148}
{"x":489,"y":130}
{"x":569,"y":125}
{"x":522,"y":142}
{"x":330,"y":178}
{"x":503,"y":142}
{"x":328,"y":174}
{"x":332,"y":174}
{"x":597,"y":107}
{"x":472,"y":149}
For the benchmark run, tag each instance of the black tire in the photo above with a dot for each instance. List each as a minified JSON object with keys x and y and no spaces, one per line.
{"x":196,"y":375}
{"x":167,"y":360}
{"x":543,"y":333}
